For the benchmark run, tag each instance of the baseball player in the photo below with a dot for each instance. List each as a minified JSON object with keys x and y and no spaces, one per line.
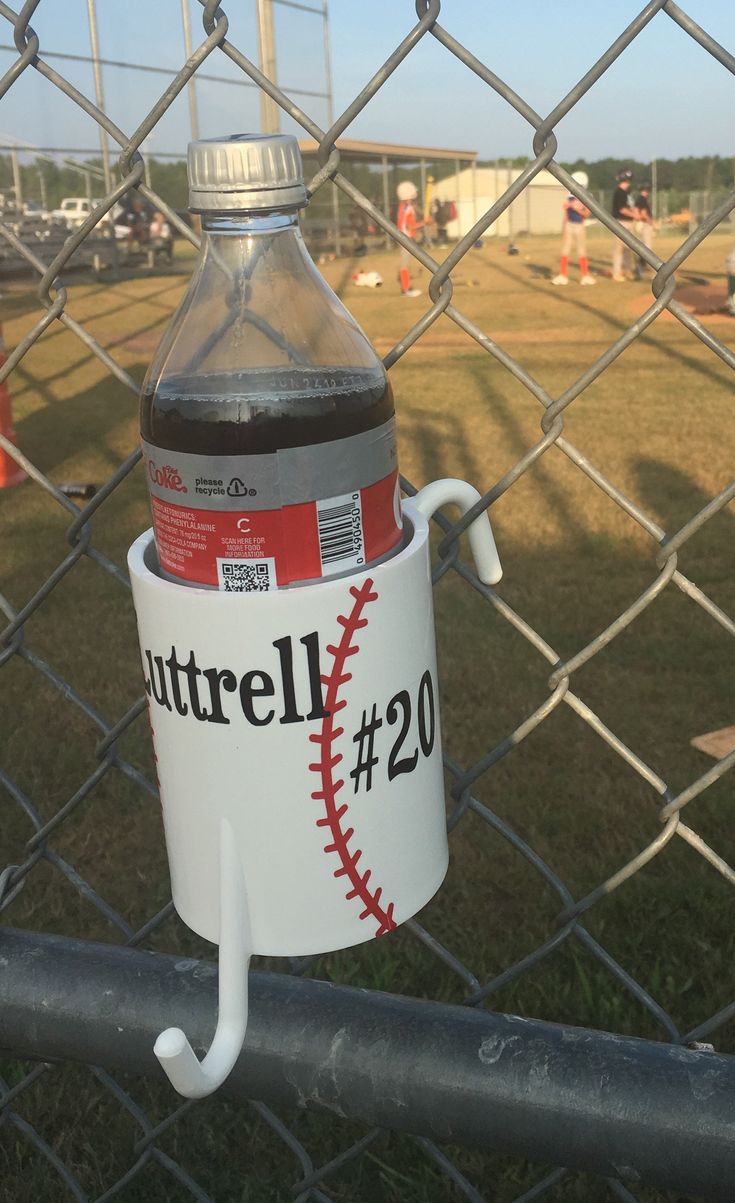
{"x":644,"y":225}
{"x":408,"y":224}
{"x":573,"y":234}
{"x":626,"y":213}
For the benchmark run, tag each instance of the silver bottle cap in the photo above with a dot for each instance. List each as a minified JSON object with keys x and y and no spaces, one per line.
{"x":245,"y":171}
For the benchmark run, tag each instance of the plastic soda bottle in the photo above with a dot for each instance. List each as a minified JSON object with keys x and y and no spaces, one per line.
{"x":266,"y":416}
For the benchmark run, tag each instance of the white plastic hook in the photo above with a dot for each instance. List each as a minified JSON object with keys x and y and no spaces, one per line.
{"x":482,"y":542}
{"x":191,"y":1077}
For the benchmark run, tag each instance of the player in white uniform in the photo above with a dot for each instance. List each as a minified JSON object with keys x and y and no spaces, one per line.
{"x":573,"y":235}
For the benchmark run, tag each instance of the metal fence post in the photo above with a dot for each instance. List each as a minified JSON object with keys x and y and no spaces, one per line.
{"x":99,"y":90}
{"x":17,"y":181}
{"x":386,"y":194}
{"x":191,"y":86}
{"x":270,"y":114}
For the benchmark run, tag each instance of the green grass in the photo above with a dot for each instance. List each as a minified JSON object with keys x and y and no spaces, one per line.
{"x":659,"y":424}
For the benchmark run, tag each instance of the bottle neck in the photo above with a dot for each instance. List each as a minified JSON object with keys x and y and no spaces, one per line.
{"x":237,"y":245}
{"x":273,"y":221}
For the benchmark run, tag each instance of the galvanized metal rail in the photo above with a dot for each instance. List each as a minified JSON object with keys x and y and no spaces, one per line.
{"x":638,"y":1110}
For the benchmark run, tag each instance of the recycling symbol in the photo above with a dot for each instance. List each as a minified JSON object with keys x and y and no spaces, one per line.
{"x":236,"y":488}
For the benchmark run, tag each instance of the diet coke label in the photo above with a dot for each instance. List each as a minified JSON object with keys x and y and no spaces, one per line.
{"x":253,"y":523}
{"x":166,"y":477}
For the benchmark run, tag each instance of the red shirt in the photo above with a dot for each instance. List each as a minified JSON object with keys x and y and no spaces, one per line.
{"x":406,"y":220}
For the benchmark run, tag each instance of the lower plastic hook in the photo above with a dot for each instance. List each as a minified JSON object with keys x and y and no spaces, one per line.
{"x":480,"y":532}
{"x":188,"y":1075}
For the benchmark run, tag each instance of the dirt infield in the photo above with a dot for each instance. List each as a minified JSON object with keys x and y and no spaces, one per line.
{"x":710,"y":299}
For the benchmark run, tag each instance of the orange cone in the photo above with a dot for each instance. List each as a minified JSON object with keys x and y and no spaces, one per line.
{"x":10,"y":473}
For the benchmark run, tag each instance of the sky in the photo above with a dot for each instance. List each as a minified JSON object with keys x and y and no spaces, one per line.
{"x":665,"y":97}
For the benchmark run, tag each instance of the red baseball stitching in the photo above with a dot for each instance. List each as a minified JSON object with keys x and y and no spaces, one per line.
{"x":329,"y":787}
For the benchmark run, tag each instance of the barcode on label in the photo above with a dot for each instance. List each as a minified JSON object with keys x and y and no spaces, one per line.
{"x":246,"y":576}
{"x":341,"y":541}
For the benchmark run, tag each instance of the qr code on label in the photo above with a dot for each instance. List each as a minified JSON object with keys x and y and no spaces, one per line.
{"x":246,"y":576}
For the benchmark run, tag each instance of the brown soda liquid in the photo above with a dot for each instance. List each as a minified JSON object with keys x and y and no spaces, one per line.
{"x":262,"y":411}
{"x":267,"y":477}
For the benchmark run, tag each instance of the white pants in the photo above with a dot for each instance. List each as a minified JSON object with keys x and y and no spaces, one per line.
{"x":574,"y":235}
{"x":622,"y":256}
{"x":644,"y":231}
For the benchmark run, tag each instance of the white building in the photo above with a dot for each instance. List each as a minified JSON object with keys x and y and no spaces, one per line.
{"x":456,"y":177}
{"x":538,"y":210}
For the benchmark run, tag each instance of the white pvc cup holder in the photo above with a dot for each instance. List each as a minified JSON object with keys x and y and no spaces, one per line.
{"x":298,"y":752}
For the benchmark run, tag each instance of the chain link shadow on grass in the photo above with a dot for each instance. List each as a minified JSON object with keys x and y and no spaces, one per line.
{"x":703,"y":366}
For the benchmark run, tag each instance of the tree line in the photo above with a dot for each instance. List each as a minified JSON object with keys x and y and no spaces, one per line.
{"x":691,"y":174}
{"x":47,"y":181}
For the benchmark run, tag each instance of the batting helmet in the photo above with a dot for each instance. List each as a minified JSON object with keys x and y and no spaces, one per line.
{"x":407,"y":191}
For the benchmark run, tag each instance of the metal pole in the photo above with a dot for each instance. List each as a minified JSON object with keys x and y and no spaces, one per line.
{"x":327,"y":65}
{"x":640,"y":1110}
{"x":335,"y":221}
{"x":386,"y":197}
{"x":100,"y":99}
{"x":269,"y":110}
{"x":692,"y":215}
{"x":475,"y":214}
{"x":98,"y":91}
{"x":191,"y":86}
{"x":330,"y":119}
{"x":654,"y":189}
{"x":17,"y":182}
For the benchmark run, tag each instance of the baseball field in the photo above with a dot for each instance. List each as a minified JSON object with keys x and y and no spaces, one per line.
{"x":658,"y":424}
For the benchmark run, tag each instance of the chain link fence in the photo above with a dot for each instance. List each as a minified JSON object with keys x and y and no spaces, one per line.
{"x":221,"y":1149}
{"x":703,"y":202}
